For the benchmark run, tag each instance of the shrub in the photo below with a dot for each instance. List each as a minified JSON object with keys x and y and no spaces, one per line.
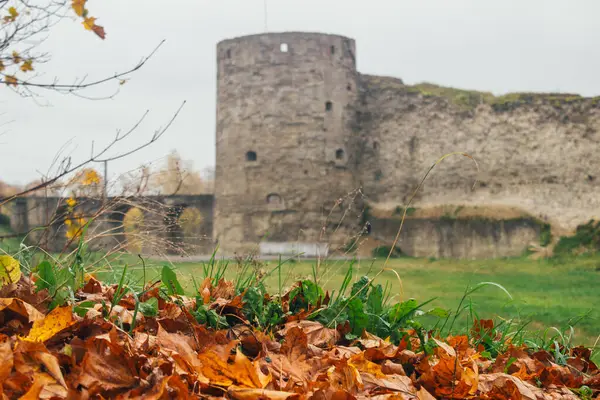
{"x":400,"y":211}
{"x":545,"y":235}
{"x":586,"y":237}
{"x":383,"y":251}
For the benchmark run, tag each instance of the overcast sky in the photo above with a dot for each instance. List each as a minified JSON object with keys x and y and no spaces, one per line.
{"x":499,"y":46}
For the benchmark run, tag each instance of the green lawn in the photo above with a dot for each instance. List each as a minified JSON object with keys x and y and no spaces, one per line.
{"x":547,"y":292}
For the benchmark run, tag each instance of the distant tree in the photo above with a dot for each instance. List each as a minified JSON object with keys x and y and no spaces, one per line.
{"x":176,"y":176}
{"x":24,"y":25}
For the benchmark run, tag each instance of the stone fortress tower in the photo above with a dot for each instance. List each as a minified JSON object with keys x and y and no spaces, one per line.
{"x":285,"y":109}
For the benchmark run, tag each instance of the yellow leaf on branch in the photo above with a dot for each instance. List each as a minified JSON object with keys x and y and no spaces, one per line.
{"x":12,"y":15}
{"x":10,"y":80}
{"x":58,"y":319}
{"x":1,"y":66}
{"x":26,"y":66}
{"x":10,"y":270}
{"x":16,"y":57}
{"x":90,"y":177}
{"x":89,"y":23}
{"x":79,"y":7}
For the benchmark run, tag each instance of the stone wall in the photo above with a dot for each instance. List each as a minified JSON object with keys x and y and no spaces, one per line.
{"x":459,"y":238}
{"x":161,"y":231}
{"x":538,"y":152}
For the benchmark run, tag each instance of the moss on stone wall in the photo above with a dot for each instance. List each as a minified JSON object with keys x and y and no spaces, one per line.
{"x":472,"y":98}
{"x":469,"y":99}
{"x":466,"y":99}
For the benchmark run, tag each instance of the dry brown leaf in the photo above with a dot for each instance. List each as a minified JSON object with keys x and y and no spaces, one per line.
{"x":295,"y":344}
{"x":106,"y":367}
{"x":225,"y":290}
{"x":423,"y":394}
{"x":389,"y":367}
{"x":528,"y":391}
{"x":169,"y":387}
{"x":242,"y":372}
{"x":44,"y":387}
{"x":6,"y":358}
{"x":181,"y":349}
{"x":345,"y":377}
{"x":363,"y":365}
{"x":240,"y":393}
{"x":30,"y":357}
{"x":388,"y":383}
{"x":316,"y":334}
{"x":22,"y":308}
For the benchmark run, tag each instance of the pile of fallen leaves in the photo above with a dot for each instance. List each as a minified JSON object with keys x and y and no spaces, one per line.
{"x":107,"y":350}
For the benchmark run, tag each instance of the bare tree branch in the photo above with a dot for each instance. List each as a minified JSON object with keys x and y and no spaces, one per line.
{"x":68,"y":168}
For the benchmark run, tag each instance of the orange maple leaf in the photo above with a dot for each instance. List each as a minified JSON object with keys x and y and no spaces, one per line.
{"x":1,"y":66}
{"x":16,"y":57}
{"x":10,"y":80}
{"x":26,"y":66}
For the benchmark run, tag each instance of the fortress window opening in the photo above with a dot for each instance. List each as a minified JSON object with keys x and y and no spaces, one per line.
{"x":339,"y":154}
{"x":328,"y":106}
{"x":332,"y":50}
{"x":251,"y":156}
{"x":228,"y":53}
{"x":284,"y":47}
